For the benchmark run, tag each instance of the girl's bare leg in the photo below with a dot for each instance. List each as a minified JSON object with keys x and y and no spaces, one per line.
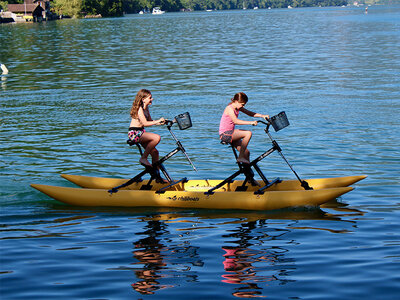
{"x":149,"y":141}
{"x":154,"y":156}
{"x":240,"y":139}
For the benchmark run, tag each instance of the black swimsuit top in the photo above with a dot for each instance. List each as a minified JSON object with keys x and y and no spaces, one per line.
{"x":136,"y":128}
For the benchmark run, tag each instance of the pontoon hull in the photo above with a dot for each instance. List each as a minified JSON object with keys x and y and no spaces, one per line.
{"x":204,"y":185}
{"x":218,"y":200}
{"x":192,"y":194}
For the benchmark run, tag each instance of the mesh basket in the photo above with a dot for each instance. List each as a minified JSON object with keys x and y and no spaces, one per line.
{"x":184,"y":121}
{"x":279,"y":121}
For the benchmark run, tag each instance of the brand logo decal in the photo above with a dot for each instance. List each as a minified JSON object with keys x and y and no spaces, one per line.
{"x":183,"y":198}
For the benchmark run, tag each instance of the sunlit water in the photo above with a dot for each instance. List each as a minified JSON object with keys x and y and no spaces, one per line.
{"x":65,"y":109}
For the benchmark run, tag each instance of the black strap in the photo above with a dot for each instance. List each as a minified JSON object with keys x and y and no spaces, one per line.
{"x":136,"y":128}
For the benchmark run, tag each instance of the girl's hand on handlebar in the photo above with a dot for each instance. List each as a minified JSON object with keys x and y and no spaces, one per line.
{"x":254,"y":123}
{"x":266,"y":117}
{"x":167,"y":122}
{"x":161,"y":121}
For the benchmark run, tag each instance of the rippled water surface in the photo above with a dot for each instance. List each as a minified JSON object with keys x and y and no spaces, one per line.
{"x":65,"y":109}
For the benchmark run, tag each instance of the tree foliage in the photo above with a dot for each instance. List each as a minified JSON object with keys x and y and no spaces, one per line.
{"x":106,"y":8}
{"x":3,"y":5}
{"x":67,"y":7}
{"x":114,"y":8}
{"x":134,"y":6}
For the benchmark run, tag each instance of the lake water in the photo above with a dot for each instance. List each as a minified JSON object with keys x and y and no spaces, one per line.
{"x":65,"y":109}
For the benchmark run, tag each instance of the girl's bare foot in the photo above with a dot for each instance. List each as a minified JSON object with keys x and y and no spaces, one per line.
{"x":145,"y":162}
{"x":161,"y":180}
{"x":242,"y":160}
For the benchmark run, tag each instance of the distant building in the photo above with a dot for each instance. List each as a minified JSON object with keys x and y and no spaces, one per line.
{"x":37,"y":10}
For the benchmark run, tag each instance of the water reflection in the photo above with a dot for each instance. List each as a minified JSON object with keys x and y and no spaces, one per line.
{"x":255,"y":247}
{"x":3,"y":82}
{"x":239,"y":270}
{"x":152,"y":257}
{"x":239,"y":260}
{"x":251,"y":251}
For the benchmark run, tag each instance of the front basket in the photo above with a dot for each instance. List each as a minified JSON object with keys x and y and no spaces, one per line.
{"x":184,"y":121}
{"x":279,"y":121}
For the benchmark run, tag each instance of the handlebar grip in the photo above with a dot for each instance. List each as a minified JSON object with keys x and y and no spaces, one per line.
{"x":168,"y":122}
{"x":268,"y":120}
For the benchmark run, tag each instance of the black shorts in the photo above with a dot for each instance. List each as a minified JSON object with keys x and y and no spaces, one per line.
{"x":226,"y":137}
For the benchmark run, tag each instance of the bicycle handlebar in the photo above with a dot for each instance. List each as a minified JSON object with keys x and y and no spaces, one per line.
{"x":168,"y":122}
{"x":266,"y":123}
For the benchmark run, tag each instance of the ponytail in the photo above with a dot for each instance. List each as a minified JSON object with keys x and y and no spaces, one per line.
{"x":240,"y":97}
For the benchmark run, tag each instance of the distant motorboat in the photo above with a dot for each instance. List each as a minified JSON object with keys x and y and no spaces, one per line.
{"x":157,"y":11}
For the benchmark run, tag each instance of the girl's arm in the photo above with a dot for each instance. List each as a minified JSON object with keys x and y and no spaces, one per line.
{"x":148,"y":122}
{"x":253,"y":114}
{"x":229,"y":111}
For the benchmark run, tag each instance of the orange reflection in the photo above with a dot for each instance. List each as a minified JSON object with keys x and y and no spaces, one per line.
{"x":150,"y":255}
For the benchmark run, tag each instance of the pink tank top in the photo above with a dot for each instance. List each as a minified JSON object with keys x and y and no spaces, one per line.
{"x":226,"y":123}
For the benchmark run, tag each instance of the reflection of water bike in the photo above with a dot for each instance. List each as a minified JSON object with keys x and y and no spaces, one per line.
{"x":247,"y":194}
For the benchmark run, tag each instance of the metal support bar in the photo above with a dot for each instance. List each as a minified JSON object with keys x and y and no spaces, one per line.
{"x":257,"y":168}
{"x":225,"y":181}
{"x":162,"y":190}
{"x":137,"y":178}
{"x":303,"y":183}
{"x":261,"y":190}
{"x":164,"y":171}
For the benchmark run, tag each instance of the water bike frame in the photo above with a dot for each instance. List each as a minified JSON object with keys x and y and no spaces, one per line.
{"x":184,"y":122}
{"x":278,"y":122}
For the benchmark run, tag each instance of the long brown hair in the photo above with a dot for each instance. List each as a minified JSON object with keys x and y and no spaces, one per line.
{"x":143,"y":93}
{"x":240,"y":97}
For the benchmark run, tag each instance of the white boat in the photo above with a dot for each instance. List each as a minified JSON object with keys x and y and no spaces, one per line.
{"x":157,"y":11}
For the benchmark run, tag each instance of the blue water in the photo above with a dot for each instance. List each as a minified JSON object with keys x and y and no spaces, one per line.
{"x":65,"y":109}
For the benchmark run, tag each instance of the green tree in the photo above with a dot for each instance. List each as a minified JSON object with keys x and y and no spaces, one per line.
{"x":71,"y":8}
{"x":3,"y":5}
{"x":107,"y":8}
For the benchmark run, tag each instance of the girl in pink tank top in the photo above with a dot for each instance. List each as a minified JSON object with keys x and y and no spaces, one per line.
{"x":227,"y":132}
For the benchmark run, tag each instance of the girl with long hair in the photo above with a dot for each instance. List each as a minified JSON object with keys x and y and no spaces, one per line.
{"x":141,"y":118}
